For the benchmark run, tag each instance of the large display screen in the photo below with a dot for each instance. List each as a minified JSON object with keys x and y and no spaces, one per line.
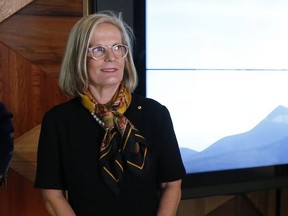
{"x":221,"y":68}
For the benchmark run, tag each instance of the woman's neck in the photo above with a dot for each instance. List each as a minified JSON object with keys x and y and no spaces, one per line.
{"x":103,"y":95}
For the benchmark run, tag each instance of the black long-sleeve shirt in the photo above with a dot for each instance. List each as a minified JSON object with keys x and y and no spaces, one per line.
{"x":68,"y":155}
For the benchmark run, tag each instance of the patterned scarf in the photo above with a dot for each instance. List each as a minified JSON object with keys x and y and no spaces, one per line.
{"x":123,"y":147}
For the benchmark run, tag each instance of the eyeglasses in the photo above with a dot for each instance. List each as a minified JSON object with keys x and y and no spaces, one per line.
{"x":120,"y":51}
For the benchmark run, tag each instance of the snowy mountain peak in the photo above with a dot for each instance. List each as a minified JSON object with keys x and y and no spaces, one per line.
{"x":278,"y":115}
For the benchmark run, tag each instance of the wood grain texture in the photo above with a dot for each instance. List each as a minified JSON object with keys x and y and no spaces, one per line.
{"x":20,"y":81}
{"x":32,"y":43}
{"x":25,"y":154}
{"x":39,"y":39}
{"x":9,"y":7}
{"x":26,"y":90}
{"x":284,"y":201}
{"x":62,"y":8}
{"x":202,"y":206}
{"x":20,"y":198}
{"x":264,"y":201}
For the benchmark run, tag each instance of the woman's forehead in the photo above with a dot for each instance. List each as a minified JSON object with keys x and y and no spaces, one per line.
{"x":106,"y":33}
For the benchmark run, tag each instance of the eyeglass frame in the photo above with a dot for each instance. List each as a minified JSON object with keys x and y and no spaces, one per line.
{"x":90,"y":49}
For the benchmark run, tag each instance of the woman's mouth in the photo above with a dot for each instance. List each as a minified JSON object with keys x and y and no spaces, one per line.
{"x":109,"y":69}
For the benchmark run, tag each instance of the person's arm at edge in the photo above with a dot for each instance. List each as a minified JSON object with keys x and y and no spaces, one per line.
{"x":56,"y":203}
{"x":170,"y":198}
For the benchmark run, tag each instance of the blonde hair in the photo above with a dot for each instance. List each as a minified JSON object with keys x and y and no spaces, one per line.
{"x":73,"y":78}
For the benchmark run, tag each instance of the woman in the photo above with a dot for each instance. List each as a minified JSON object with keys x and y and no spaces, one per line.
{"x":114,"y":152}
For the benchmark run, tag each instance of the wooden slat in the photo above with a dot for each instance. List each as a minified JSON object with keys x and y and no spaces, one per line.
{"x":19,"y":198}
{"x":202,"y":206}
{"x":62,"y":8}
{"x":40,"y":39}
{"x":20,"y":89}
{"x":24,"y":157}
{"x":9,"y":7}
{"x":32,"y":43}
{"x":27,"y":91}
{"x":283,"y":202}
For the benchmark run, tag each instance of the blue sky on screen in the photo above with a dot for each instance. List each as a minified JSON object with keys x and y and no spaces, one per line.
{"x":217,"y":33}
{"x":206,"y":105}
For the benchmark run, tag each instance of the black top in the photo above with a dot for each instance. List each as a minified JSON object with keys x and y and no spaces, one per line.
{"x":68,"y":155}
{"x":6,"y":139}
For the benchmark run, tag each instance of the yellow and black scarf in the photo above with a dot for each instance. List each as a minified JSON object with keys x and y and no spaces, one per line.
{"x":123,"y":147}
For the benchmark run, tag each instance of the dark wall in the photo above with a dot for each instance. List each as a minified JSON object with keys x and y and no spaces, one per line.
{"x":133,"y":13}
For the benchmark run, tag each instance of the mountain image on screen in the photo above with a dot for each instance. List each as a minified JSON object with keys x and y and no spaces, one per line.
{"x":264,"y":145}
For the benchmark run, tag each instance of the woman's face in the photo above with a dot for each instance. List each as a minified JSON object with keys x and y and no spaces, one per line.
{"x":109,"y":71}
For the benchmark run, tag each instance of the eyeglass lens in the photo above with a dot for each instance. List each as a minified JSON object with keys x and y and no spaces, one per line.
{"x":119,"y":51}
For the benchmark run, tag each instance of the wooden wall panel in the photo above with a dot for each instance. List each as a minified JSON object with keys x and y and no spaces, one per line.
{"x":260,"y":203}
{"x":32,"y":43}
{"x":202,"y":206}
{"x":20,"y":88}
{"x":39,"y":39}
{"x":284,"y":201}
{"x":264,"y":201}
{"x":9,"y":7}
{"x":25,"y":154}
{"x":20,"y":198}
{"x":62,"y":8}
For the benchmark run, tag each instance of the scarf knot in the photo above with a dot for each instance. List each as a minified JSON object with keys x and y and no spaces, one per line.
{"x":123,"y":147}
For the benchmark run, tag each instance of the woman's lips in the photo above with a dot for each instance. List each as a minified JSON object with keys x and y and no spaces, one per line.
{"x":109,"y":69}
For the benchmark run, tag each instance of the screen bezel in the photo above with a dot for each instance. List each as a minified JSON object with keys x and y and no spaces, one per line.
{"x":237,"y":181}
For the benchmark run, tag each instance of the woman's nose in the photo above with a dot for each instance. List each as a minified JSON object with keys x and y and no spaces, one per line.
{"x":109,"y":55}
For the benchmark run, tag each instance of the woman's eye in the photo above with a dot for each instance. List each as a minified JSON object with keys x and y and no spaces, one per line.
{"x":117,"y":47}
{"x":99,"y":49}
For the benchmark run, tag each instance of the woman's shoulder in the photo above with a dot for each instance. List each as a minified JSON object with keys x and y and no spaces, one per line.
{"x":144,"y":102}
{"x":148,"y":106}
{"x":66,"y":108}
